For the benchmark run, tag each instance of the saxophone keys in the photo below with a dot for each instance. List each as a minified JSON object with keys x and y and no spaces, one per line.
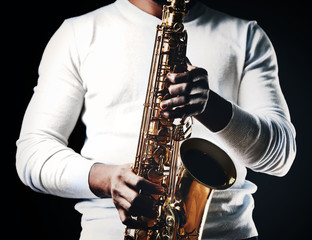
{"x":161,"y":155}
{"x":154,"y":175}
{"x":178,"y":27}
{"x":163,"y":135}
{"x":170,"y":221}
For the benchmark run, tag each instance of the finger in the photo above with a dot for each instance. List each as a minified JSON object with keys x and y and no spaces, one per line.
{"x":144,"y":206}
{"x":127,"y":220}
{"x":198,"y":97}
{"x":192,"y":75}
{"x":183,"y":112}
{"x":201,"y":84}
{"x":175,"y":102}
{"x":135,"y":204}
{"x":179,"y":89}
{"x":149,"y":187}
{"x":131,"y":179}
{"x":123,"y":203}
{"x":139,"y":183}
{"x":127,"y":198}
{"x":177,"y":77}
{"x":196,"y":74}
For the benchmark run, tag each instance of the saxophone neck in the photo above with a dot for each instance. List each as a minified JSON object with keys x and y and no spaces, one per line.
{"x":178,"y":4}
{"x":173,"y":14}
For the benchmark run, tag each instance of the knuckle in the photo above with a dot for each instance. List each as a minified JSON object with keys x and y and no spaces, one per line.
{"x":172,"y":77}
{"x":176,"y":101}
{"x":199,"y":108}
{"x":179,"y":100}
{"x":187,"y":87}
{"x":186,"y":99}
{"x":134,"y":200}
{"x":172,"y":89}
{"x":119,"y":174}
{"x":205,"y":95}
{"x":197,"y":74}
{"x":116,"y":203}
{"x":114,"y":190}
{"x":123,"y":170}
{"x":201,"y":71}
{"x":170,"y":103}
{"x":140,"y":183}
{"x":204,"y":83}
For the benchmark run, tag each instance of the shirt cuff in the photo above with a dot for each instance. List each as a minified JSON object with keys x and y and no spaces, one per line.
{"x":79,"y":178}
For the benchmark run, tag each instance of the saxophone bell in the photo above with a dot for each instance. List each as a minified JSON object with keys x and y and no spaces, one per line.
{"x":208,"y":163}
{"x":206,"y":168}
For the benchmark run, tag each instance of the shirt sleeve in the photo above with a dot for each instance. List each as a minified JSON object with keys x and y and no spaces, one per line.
{"x":260,"y":133}
{"x":43,"y":160}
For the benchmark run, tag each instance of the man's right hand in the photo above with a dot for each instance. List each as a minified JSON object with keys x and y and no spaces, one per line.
{"x":125,"y":187}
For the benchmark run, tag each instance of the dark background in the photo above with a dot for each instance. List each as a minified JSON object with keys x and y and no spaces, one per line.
{"x":282,"y":204}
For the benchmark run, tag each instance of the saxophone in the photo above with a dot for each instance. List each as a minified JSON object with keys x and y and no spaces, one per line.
{"x":183,"y":207}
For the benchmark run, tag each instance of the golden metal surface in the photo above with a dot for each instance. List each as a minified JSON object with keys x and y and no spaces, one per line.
{"x":182,"y":208}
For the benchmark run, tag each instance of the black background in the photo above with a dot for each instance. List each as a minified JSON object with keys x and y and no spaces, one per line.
{"x":283,"y":205}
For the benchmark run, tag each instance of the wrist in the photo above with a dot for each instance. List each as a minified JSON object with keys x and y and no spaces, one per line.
{"x":217,"y":113}
{"x":100,"y":179}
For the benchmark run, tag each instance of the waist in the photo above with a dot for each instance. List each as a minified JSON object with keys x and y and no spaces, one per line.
{"x":229,"y":215}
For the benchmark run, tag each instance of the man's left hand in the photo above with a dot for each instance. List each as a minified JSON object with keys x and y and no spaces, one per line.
{"x":189,"y":93}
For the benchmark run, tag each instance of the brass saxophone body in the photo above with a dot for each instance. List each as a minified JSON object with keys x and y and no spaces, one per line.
{"x":183,"y":207}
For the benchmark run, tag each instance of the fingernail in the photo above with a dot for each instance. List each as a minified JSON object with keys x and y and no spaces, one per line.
{"x":163,"y":106}
{"x":170,"y":76}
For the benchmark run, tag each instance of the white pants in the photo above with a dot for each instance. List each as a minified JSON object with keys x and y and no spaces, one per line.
{"x":100,"y":220}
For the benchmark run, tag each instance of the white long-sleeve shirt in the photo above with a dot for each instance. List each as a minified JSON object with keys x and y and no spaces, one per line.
{"x":99,"y":63}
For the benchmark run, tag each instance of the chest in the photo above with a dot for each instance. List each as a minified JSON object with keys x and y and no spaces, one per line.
{"x":116,"y":68}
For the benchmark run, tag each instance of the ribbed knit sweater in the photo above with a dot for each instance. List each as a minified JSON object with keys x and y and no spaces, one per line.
{"x":99,"y":64}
